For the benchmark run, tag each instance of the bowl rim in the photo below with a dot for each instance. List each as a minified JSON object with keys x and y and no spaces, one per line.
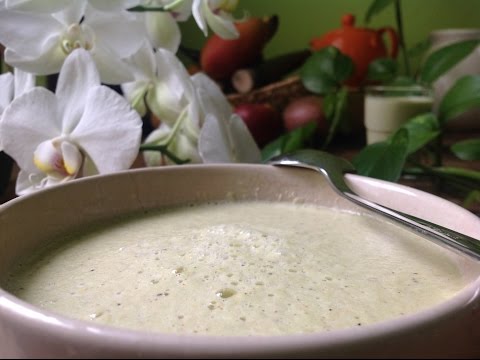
{"x":63,"y":326}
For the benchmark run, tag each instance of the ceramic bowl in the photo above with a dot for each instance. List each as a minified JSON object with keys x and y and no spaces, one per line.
{"x":451,"y":328}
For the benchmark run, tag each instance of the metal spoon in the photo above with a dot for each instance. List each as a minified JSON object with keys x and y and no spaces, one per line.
{"x":334,"y":168}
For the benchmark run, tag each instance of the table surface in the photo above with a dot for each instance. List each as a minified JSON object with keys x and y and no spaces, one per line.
{"x":348,"y":151}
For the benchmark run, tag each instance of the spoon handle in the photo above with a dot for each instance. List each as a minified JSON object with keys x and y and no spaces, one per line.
{"x":440,"y":235}
{"x":334,"y":168}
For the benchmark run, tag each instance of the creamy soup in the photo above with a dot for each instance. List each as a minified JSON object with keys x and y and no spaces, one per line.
{"x":239,"y":269}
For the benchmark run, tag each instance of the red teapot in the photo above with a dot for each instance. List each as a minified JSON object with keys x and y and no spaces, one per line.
{"x":362,"y":45}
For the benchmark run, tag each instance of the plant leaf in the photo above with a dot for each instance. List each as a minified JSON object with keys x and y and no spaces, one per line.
{"x":339,"y":106}
{"x":472,"y":198}
{"x":419,"y":48}
{"x":467,"y":149}
{"x":421,"y":130}
{"x":383,"y":69}
{"x":384,"y":160}
{"x":376,"y":7}
{"x":294,"y":140}
{"x":443,"y":59}
{"x":464,"y":95}
{"x":326,"y":70}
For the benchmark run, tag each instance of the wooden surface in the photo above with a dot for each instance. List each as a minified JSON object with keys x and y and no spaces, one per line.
{"x":348,"y":151}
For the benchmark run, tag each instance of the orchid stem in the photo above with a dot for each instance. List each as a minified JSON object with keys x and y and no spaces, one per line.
{"x":401,"y":35}
{"x":163,"y":149}
{"x":146,"y":9}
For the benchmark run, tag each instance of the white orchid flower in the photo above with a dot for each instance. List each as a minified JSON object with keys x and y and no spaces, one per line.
{"x":162,"y":84}
{"x":53,"y":137}
{"x":206,"y":131}
{"x":110,"y":37}
{"x":179,"y":142}
{"x":224,"y":137}
{"x":216,"y":14}
{"x":52,"y":6}
{"x":162,"y":28}
{"x":12,"y":86}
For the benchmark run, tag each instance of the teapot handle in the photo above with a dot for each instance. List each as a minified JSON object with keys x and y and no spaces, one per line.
{"x":392,"y":35}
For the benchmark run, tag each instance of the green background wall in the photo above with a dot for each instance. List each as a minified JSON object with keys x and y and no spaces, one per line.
{"x":300,"y":20}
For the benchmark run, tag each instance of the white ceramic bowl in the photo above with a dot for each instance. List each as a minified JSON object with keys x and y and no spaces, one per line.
{"x":449,"y":329}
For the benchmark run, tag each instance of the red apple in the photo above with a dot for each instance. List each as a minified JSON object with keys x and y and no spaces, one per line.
{"x":263,"y":121}
{"x":219,"y":58}
{"x":304,"y":110}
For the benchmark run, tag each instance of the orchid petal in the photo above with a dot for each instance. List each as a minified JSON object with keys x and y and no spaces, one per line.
{"x":197,"y":11}
{"x":213,"y":142}
{"x":172,"y":89}
{"x":222,"y":25}
{"x":108,"y":116}
{"x":72,"y":158}
{"x":29,"y":182}
{"x":6,"y":90}
{"x":121,"y":34}
{"x":72,"y":13}
{"x":47,"y":63}
{"x":246,"y":148}
{"x":16,"y":31}
{"x":135,"y":92}
{"x":156,"y":137}
{"x":48,"y":159}
{"x":143,"y":62}
{"x":24,"y":81}
{"x":163,"y":31}
{"x":29,"y":120}
{"x":110,"y":5}
{"x":213,"y":100}
{"x":89,"y":168}
{"x":171,"y":71}
{"x":77,"y":76}
{"x":112,"y":70}
{"x":42,"y":6}
{"x":181,"y":11}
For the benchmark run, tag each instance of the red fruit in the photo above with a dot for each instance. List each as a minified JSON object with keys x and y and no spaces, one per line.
{"x":263,"y":121}
{"x":304,"y":110}
{"x":220,"y":58}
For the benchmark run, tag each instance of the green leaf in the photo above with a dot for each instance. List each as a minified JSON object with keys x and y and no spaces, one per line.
{"x":402,"y":81}
{"x":421,"y":130}
{"x":294,"y":140}
{"x":419,"y":49}
{"x":339,"y":104}
{"x":383,"y":69}
{"x":443,"y":59}
{"x":472,"y":198}
{"x":467,"y":149}
{"x":464,"y":95}
{"x":376,"y":7}
{"x":326,"y":70}
{"x":384,"y":160}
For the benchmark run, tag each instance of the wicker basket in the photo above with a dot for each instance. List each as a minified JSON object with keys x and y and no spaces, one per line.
{"x":278,"y":94}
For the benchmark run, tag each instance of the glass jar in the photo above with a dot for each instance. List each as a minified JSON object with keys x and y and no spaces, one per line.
{"x":387,"y":108}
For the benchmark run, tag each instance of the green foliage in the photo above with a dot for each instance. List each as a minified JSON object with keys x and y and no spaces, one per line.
{"x":443,"y":59}
{"x":326,"y":70}
{"x":384,"y":70}
{"x":294,"y":140}
{"x":376,"y":7}
{"x":464,"y":95}
{"x":467,"y":149}
{"x":384,"y":160}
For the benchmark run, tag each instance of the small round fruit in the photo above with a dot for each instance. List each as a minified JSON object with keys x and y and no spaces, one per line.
{"x":304,"y":110}
{"x":263,"y":121}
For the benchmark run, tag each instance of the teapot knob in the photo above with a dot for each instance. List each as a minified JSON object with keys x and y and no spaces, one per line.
{"x":348,"y":20}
